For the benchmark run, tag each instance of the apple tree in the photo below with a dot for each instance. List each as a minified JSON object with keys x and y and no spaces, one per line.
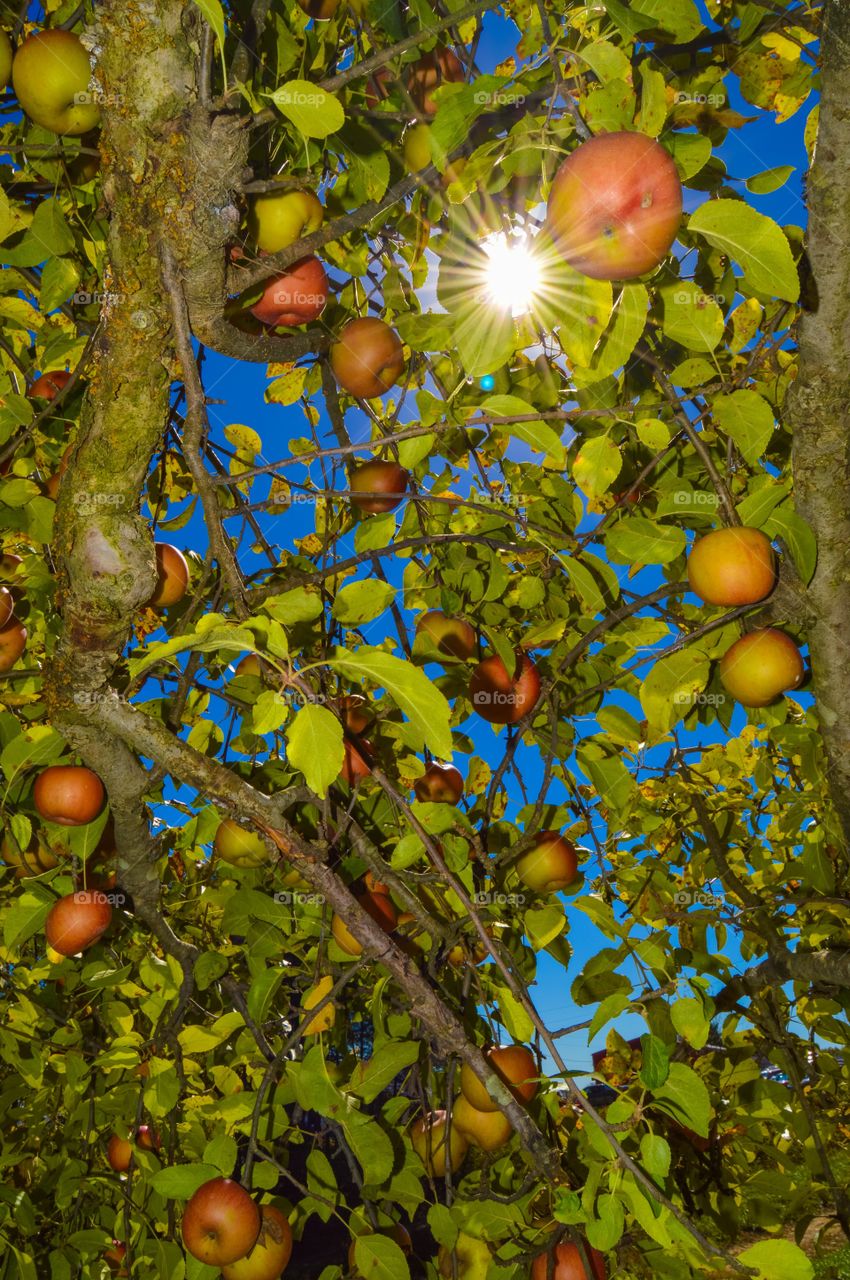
{"x":495,"y":660}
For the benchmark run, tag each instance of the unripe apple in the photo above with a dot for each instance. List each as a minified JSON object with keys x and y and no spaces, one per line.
{"x":319,"y":10}
{"x":473,"y":1259}
{"x":51,"y":74}
{"x":568,"y":1263}
{"x":502,"y":697}
{"x":270,"y":1255}
{"x":119,"y":1153}
{"x":452,"y":636}
{"x":514,"y":1064}
{"x":382,"y":910}
{"x":760,"y":666}
{"x":378,"y":486}
{"x":440,"y":783}
{"x":418,"y":152}
{"x":488,"y":1130}
{"x":77,"y":921}
{"x":549,"y":865}
{"x":32,"y":861}
{"x":69,"y":794}
{"x":442,"y":66}
{"x":615,"y":206}
{"x":298,"y":296}
{"x":278,"y":218}
{"x":6,"y":54}
{"x":238,"y":846}
{"x":428,"y":1136}
{"x":367,"y":358}
{"x":48,"y":386}
{"x":732,"y":566}
{"x":221,"y":1223}
{"x":172,"y":576}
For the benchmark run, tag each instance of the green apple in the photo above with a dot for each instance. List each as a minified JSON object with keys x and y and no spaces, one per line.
{"x":279,"y":218}
{"x":51,"y":74}
{"x":473,"y":1258}
{"x":5,"y":59}
{"x":417,"y":148}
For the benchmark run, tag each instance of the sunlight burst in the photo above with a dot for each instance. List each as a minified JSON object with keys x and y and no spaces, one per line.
{"x":513,"y":275}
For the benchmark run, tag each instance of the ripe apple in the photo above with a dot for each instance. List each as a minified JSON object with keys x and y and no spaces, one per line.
{"x":270,"y":1255}
{"x":9,"y":566}
{"x":428,"y":1136}
{"x":33,"y":861}
{"x":326,"y":1017}
{"x":238,"y":846}
{"x":568,"y":1263}
{"x":75,"y":922}
{"x":433,"y":69}
{"x":7,"y":605}
{"x":6,"y":54}
{"x":69,"y":794}
{"x":298,"y":296}
{"x":48,"y":386}
{"x":221,"y":1223}
{"x":459,"y":956}
{"x":382,"y":910}
{"x":473,"y":1259}
{"x":147,"y":1138}
{"x":319,"y":10}
{"x":760,"y":666}
{"x":732,"y":567}
{"x":114,"y":1258}
{"x":488,"y":1130}
{"x":354,"y":765}
{"x":615,"y":206}
{"x":549,"y":865}
{"x":378,"y":486}
{"x":409,"y":935}
{"x":51,"y":74}
{"x":51,"y":484}
{"x":398,"y":1233}
{"x":119,"y":1153}
{"x":367,"y":358}
{"x":452,"y":636}
{"x":440,"y":783}
{"x":514,"y":1064}
{"x":172,"y":576}
{"x":278,"y":218}
{"x":378,"y":86}
{"x":501,"y":697}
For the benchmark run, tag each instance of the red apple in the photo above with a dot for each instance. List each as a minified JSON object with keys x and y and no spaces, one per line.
{"x":221,"y":1223}
{"x":7,"y":606}
{"x":451,"y":636}
{"x":567,"y":1263}
{"x":549,"y":865}
{"x":615,"y":206}
{"x":367,"y":358}
{"x":382,"y":910}
{"x":732,"y":566}
{"x":114,"y":1258}
{"x":119,"y":1153}
{"x":760,"y":666}
{"x":48,"y":386}
{"x":13,"y":641}
{"x":270,"y":1255}
{"x":514,"y":1064}
{"x":440,"y":783}
{"x":147,"y":1138}
{"x":378,"y":486}
{"x":502,"y":697}
{"x":433,"y":69}
{"x":296,"y":297}
{"x":69,"y":794}
{"x":77,"y":921}
{"x":172,"y":576}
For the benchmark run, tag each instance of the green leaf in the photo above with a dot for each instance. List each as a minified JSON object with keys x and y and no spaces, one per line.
{"x":689,"y":316}
{"x":605,"y":1230}
{"x":314,"y":744}
{"x":685,"y":1097}
{"x":544,"y":924}
{"x":514,"y":1016}
{"x":655,"y":1155}
{"x":597,"y":465}
{"x":748,"y":419}
{"x":269,"y":712}
{"x":769,"y":179}
{"x":214,"y":14}
{"x":314,"y":112}
{"x":25,"y":917}
{"x":667,"y":693}
{"x":485,"y":337}
{"x":362,"y":601}
{"x":209,"y":966}
{"x":688,"y":1017}
{"x":388,"y":1061}
{"x":753,"y":240}
{"x":262,"y":991}
{"x":378,"y":1257}
{"x":620,"y":338}
{"x":535,"y":432}
{"x":798,"y":537}
{"x":180,"y":1181}
{"x":222,"y":1152}
{"x":59,"y":280}
{"x":409,"y":687}
{"x":637,"y":540}
{"x":216,"y":639}
{"x":610,"y":777}
{"x":298,"y":605}
{"x":778,"y":1260}
{"x":655,"y":1062}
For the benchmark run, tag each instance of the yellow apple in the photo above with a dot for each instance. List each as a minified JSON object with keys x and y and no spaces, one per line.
{"x":473,"y":1259}
{"x":278,"y":218}
{"x":488,"y":1130}
{"x":5,"y":59}
{"x":51,"y":74}
{"x":238,"y":846}
{"x":417,"y":148}
{"x":325,"y":1018}
{"x":428,"y":1136}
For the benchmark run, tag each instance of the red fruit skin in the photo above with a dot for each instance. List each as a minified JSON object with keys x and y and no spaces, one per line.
{"x":760,"y":666}
{"x":568,"y":1264}
{"x":172,"y":580}
{"x":75,"y":922}
{"x":452,"y":636}
{"x":440,"y":783}
{"x":221,"y":1222}
{"x":367,"y":358}
{"x":296,"y":297}
{"x":732,"y":567}
{"x":68,"y":794}
{"x":372,"y":479}
{"x":500,"y":696}
{"x":615,"y":206}
{"x":48,"y":386}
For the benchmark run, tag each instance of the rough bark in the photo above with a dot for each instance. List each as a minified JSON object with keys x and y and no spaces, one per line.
{"x":819,"y":407}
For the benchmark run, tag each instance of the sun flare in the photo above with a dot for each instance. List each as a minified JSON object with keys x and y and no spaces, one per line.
{"x":512,"y":272}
